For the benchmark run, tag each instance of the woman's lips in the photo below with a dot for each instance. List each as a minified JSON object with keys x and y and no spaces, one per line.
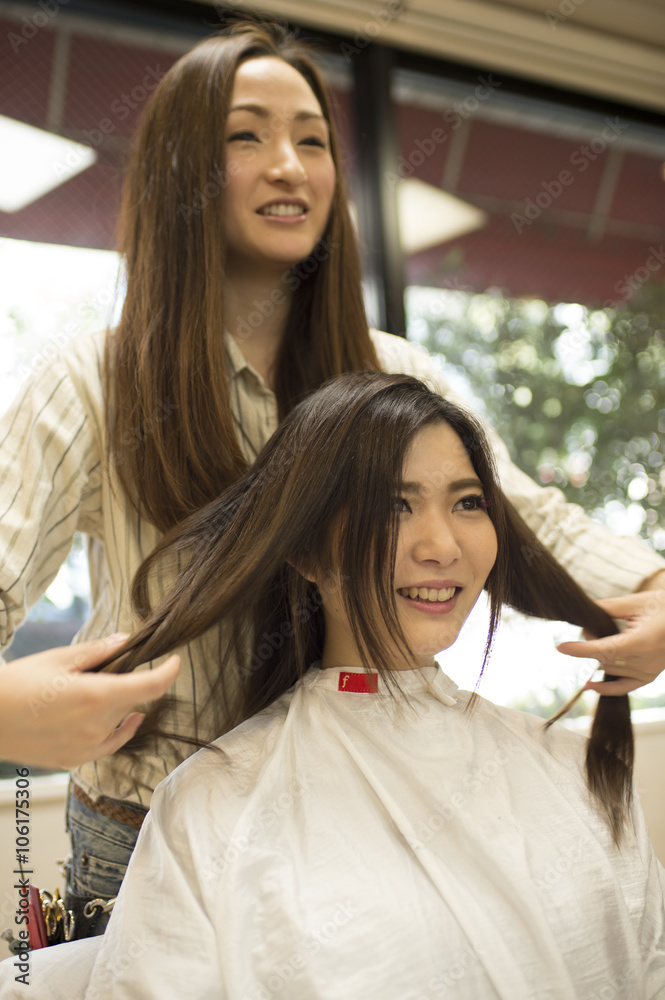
{"x":427,"y":593}
{"x":428,"y":606}
{"x":284,"y":213}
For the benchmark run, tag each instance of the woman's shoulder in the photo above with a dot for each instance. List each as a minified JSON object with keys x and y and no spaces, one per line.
{"x":399,"y":355}
{"x":67,"y":372}
{"x":65,"y":365}
{"x":230,"y":766}
{"x":81,"y":362}
{"x":62,"y":392}
{"x":557,"y":745}
{"x":83,"y":357}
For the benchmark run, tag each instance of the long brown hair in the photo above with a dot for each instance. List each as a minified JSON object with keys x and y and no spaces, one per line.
{"x":336,"y":461}
{"x":171,"y":427}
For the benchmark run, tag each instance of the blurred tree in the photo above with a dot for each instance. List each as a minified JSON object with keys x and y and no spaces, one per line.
{"x":577,"y":393}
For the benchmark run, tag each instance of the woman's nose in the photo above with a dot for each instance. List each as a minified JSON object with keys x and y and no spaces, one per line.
{"x":437,"y":542}
{"x":287,"y":165}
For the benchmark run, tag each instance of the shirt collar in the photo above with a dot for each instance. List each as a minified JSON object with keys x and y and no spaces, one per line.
{"x":239,"y":362}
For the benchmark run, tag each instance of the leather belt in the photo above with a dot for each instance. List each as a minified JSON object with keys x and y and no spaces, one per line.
{"x":112,"y":808}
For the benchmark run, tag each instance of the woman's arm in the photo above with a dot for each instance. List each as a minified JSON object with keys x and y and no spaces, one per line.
{"x":49,"y":474}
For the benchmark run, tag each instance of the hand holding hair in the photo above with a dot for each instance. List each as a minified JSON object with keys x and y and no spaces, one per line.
{"x":54,"y":713}
{"x":635,"y":656}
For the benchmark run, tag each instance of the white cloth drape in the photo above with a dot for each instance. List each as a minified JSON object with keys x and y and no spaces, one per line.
{"x":348,"y":846}
{"x":352,"y":846}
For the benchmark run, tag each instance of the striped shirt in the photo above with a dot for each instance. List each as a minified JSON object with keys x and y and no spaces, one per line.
{"x":55,"y":479}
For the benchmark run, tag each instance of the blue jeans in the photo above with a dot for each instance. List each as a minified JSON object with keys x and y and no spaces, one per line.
{"x":101,"y":849}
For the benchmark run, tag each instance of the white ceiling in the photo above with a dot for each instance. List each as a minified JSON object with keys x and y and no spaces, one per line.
{"x":609,"y":48}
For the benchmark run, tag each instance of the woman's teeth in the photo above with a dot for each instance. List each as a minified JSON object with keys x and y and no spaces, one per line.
{"x":282,"y":210}
{"x":427,"y":593}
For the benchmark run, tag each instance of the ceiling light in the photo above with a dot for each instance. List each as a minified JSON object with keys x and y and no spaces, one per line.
{"x":35,"y":161}
{"x":429,"y":216}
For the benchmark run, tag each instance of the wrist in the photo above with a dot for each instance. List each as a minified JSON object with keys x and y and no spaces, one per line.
{"x":654,"y":582}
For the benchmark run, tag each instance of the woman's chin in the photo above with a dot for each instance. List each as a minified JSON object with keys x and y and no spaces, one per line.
{"x":442,"y":639}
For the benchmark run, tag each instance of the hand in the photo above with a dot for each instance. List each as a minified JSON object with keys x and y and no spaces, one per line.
{"x":637,"y":655}
{"x":54,"y":714}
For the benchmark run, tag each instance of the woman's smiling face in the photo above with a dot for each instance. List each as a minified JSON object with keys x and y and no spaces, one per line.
{"x":281,"y":175}
{"x":446,"y":547}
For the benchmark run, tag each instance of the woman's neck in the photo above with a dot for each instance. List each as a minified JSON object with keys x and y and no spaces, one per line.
{"x":339,"y":650}
{"x":255,"y":315}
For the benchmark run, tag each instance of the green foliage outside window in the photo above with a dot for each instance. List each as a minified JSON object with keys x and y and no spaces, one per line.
{"x":578,"y":394}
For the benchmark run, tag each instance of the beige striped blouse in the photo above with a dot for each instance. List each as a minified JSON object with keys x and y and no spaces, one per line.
{"x":55,"y":479}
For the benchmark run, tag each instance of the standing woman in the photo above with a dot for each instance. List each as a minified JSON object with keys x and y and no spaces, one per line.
{"x":243,"y":295}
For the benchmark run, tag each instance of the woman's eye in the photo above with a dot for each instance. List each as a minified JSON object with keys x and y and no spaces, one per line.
{"x":401,"y":505}
{"x":314,"y":140}
{"x":472,"y":503}
{"x":243,"y":137}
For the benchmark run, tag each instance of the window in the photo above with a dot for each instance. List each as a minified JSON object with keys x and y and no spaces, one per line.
{"x":536,"y":275}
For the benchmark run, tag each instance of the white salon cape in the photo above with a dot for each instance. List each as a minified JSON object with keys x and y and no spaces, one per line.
{"x":350,"y":846}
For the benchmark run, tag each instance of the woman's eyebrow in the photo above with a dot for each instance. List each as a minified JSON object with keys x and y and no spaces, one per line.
{"x":457,"y":486}
{"x":413,"y":488}
{"x":263,"y":112}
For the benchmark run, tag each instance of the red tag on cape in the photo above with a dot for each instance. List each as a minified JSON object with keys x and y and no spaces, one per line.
{"x":358,"y":683}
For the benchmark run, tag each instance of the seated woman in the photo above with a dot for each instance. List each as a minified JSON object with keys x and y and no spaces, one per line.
{"x":369,"y":831}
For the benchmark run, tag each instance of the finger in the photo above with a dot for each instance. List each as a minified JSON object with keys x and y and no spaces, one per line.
{"x":622,"y":686}
{"x":638,"y":672}
{"x":606,"y":650}
{"x":118,"y":737}
{"x":643,"y":603}
{"x":620,"y":607}
{"x":90,"y":654}
{"x":147,"y":685}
